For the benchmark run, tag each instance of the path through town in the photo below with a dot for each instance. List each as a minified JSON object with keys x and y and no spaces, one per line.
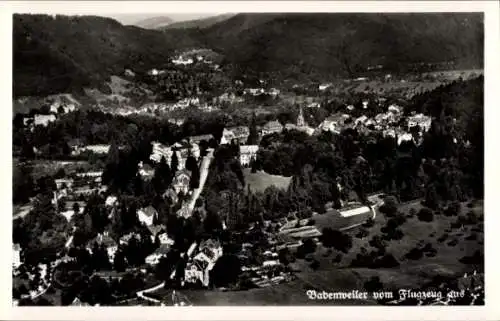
{"x":140,"y":294}
{"x":204,"y":169}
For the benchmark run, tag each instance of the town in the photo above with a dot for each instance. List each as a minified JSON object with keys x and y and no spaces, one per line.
{"x":188,"y":183}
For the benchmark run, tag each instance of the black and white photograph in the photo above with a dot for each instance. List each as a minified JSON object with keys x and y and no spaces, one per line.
{"x":168,"y":159}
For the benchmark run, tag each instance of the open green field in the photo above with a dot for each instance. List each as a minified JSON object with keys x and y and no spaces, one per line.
{"x":410,"y":273}
{"x":334,"y":220}
{"x":339,"y":276}
{"x":261,"y":180}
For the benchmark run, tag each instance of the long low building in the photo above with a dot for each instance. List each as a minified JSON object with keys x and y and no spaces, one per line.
{"x":343,"y":219}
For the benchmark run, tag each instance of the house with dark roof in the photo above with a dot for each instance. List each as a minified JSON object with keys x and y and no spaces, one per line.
{"x":171,"y":195}
{"x":107,"y":242}
{"x":199,"y":267}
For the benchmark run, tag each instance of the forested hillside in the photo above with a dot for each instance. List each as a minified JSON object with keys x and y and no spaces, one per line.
{"x":63,"y":53}
{"x":347,"y":43}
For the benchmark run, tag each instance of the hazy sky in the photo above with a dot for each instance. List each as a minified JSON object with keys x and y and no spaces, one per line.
{"x":126,"y":18}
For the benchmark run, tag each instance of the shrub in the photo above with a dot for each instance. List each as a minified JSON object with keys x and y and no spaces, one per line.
{"x":442,"y":238}
{"x":472,"y":237}
{"x":425,"y":215}
{"x":369,"y":223}
{"x":477,"y":259}
{"x":414,"y":254}
{"x":336,"y":239}
{"x":390,"y":206}
{"x":309,"y":246}
{"x":373,"y":284}
{"x":452,"y":242}
{"x":431,"y":253}
{"x":364,"y":260}
{"x":453,"y":209}
{"x":314,"y":265}
{"x":337,"y":258}
{"x":300,"y":253}
{"x":395,"y":234}
{"x":377,"y":242}
{"x":387,"y":261}
{"x":362,"y":233}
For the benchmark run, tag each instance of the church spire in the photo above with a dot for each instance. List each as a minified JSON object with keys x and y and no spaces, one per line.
{"x":300,"y":118}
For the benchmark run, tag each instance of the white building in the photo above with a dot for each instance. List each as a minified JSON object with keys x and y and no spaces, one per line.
{"x":16,"y":256}
{"x":421,"y":120}
{"x":198,"y":269}
{"x":155,"y":257}
{"x":111,"y":201}
{"x":394,"y":109}
{"x":323,"y":87}
{"x":164,"y":239}
{"x":406,"y":137}
{"x":43,"y":120}
{"x":147,"y":215}
{"x":271,"y":128}
{"x":110,"y":245}
{"x":181,"y":181}
{"x":248,"y":153}
{"x":159,"y":151}
{"x":361,"y":120}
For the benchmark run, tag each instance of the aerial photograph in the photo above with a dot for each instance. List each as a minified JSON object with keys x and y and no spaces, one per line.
{"x":258,"y":159}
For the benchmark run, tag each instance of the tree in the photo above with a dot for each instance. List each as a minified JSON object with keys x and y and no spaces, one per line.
{"x":309,"y":246}
{"x":191,"y":163}
{"x":195,"y":178}
{"x":284,"y":256}
{"x":390,"y":206}
{"x":113,"y":154}
{"x":373,"y":284}
{"x":119,"y":264}
{"x":431,"y":197}
{"x":174,"y":163}
{"x":22,"y":184}
{"x":226,"y":271}
{"x":315,"y":265}
{"x":425,"y":215}
{"x":336,"y":239}
{"x":76,"y":208}
{"x":253,"y":136}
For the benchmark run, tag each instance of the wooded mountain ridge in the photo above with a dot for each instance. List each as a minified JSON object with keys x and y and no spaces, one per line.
{"x":64,"y":53}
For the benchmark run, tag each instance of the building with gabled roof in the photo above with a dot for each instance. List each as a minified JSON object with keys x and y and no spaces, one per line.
{"x":155,"y":257}
{"x":147,"y":215}
{"x":271,"y":128}
{"x":181,"y":181}
{"x":248,"y":153}
{"x":43,"y":120}
{"x":198,"y":138}
{"x":16,"y":256}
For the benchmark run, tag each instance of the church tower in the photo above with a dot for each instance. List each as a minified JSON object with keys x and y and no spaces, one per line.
{"x":300,"y":119}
